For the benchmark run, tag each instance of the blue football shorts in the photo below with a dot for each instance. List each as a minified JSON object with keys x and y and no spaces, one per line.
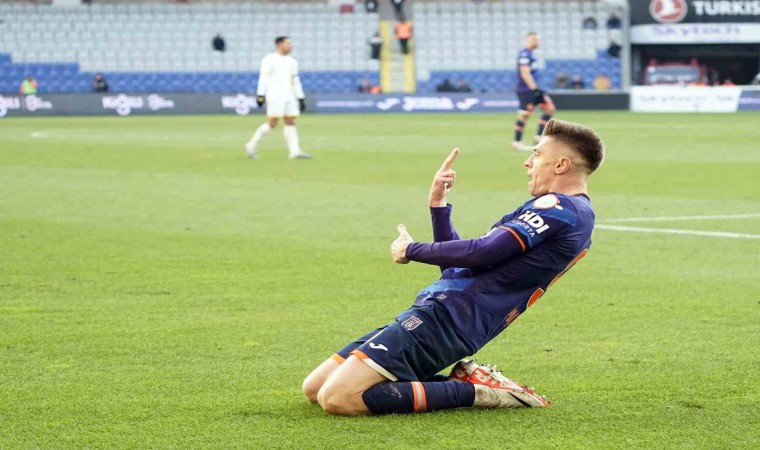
{"x":419,"y":344}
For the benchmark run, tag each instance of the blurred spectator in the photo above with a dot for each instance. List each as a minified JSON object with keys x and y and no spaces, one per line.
{"x":561,"y":82}
{"x":728,"y":82}
{"x":614,"y":23}
{"x":756,"y":80}
{"x":602,"y":83}
{"x":404,"y":33}
{"x":445,"y":86}
{"x":370,"y":6}
{"x":577,"y":82}
{"x":589,"y":23}
{"x":376,"y":45}
{"x":218,"y":43}
{"x":462,"y":86}
{"x":398,"y":9}
{"x":365,"y":87}
{"x":614,"y":49}
{"x":28,"y":86}
{"x":99,"y":83}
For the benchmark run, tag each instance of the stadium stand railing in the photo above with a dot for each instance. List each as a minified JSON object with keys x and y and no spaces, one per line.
{"x":479,"y":42}
{"x":164,"y":47}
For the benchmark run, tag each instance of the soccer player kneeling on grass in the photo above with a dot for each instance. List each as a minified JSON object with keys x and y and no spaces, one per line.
{"x":486,"y":284}
{"x":280,"y":88}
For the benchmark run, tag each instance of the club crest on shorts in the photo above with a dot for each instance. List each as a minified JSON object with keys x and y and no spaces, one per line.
{"x":411,"y":323}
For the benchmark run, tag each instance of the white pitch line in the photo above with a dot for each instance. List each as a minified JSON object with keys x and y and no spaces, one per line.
{"x":675,"y":231}
{"x":674,"y":218}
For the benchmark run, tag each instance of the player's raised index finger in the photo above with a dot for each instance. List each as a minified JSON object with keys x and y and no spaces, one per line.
{"x":450,"y":159}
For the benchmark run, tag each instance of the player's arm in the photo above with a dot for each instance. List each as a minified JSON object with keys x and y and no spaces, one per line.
{"x":443,"y":228}
{"x":297,"y":87}
{"x":528,"y":77}
{"x":507,"y":240}
{"x":494,"y":248}
{"x":261,"y":88}
{"x":523,"y":63}
{"x":440,"y":210}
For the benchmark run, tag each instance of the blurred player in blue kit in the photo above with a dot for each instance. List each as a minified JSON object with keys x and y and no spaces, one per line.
{"x":486,"y":284}
{"x":529,"y":93}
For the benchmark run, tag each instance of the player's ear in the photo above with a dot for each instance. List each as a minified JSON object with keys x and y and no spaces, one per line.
{"x":562,"y":165}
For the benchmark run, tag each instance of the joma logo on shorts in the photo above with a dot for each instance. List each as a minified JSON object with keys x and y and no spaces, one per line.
{"x":534,"y":220}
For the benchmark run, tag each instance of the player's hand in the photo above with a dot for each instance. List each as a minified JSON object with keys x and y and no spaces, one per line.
{"x":398,"y":247}
{"x":260,"y":100}
{"x":443,"y":181}
{"x":538,"y":96}
{"x":302,"y":104}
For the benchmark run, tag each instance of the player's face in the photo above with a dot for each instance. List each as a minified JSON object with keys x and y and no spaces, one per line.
{"x":541,"y":166}
{"x":532,"y":41}
{"x":285,"y":47}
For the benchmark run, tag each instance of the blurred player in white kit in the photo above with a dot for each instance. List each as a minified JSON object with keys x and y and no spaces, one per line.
{"x":280,"y":88}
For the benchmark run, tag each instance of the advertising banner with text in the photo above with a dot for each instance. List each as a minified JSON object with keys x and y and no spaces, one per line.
{"x":695,"y":21}
{"x":689,"y":99}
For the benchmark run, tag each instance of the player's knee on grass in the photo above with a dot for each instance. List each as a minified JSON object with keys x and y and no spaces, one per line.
{"x":272,"y":122}
{"x":290,"y":121}
{"x":314,"y":381}
{"x":310,"y":388}
{"x":340,"y":402}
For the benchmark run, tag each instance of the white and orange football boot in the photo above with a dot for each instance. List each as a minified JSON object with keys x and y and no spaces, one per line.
{"x":463,"y":370}
{"x":493,"y":389}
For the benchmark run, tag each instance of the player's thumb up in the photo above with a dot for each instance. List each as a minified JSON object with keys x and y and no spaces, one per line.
{"x":398,"y":247}
{"x":403,"y":234}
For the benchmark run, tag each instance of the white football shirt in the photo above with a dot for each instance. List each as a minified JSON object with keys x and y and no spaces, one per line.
{"x":278,"y":78}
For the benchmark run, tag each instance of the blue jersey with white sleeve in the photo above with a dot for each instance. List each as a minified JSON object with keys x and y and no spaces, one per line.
{"x":488,"y":282}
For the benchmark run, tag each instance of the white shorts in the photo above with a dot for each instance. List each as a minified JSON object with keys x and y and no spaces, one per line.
{"x":285,"y":107}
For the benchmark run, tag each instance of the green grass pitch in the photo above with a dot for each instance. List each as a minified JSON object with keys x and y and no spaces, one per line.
{"x":159,"y":290}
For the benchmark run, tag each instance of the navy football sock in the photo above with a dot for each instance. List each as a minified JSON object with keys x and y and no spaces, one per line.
{"x":519,"y":125}
{"x":401,"y":398}
{"x":542,"y":123}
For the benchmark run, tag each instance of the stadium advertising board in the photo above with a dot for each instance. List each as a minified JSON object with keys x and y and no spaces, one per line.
{"x":647,"y":98}
{"x":416,"y":103}
{"x":750,"y":100}
{"x":695,"y":21}
{"x":685,"y":99}
{"x":29,"y":103}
